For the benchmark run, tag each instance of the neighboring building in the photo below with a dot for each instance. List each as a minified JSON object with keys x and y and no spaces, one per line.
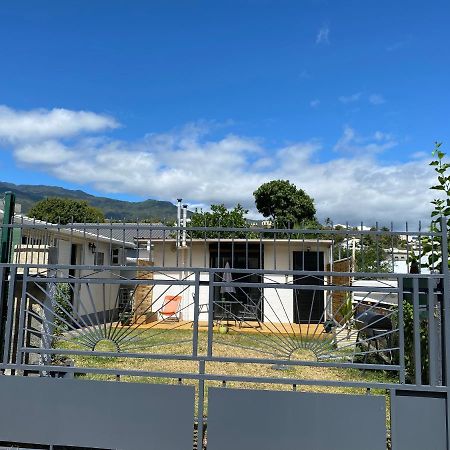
{"x":37,"y":243}
{"x":267,"y":223}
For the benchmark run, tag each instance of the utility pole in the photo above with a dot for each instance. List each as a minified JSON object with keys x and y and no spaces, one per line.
{"x":5,"y":254}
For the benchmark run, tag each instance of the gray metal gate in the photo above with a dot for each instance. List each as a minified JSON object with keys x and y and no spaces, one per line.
{"x":136,"y":336}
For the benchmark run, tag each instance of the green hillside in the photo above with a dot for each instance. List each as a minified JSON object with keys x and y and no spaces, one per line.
{"x":28,"y":195}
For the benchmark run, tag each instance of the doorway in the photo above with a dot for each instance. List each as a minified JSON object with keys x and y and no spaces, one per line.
{"x":308,"y":304}
{"x":244,"y":299}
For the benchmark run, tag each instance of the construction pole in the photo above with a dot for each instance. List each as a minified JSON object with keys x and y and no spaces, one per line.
{"x":5,"y":255}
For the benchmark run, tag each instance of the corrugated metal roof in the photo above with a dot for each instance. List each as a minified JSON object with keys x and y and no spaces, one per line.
{"x":130,"y":232}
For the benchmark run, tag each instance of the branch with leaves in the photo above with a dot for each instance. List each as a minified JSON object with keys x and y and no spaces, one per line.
{"x":432,"y":245}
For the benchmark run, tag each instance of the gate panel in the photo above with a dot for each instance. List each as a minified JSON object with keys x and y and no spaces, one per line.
{"x":96,"y":414}
{"x":418,"y":421}
{"x":267,"y":420}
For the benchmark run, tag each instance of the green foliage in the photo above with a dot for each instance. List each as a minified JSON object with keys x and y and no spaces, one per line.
{"x":372,"y":253}
{"x":219,"y":216}
{"x":408,"y":327}
{"x":431,"y":246}
{"x":346,"y":310}
{"x":432,"y":251}
{"x":284,"y":203}
{"x":372,"y":256}
{"x":63,"y":210}
{"x":61,"y":304}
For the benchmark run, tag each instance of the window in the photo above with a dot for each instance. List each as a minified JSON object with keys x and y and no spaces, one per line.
{"x":99,"y":259}
{"x":238,"y":256}
{"x":115,"y":256}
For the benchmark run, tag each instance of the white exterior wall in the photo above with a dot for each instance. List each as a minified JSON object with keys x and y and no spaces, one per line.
{"x":99,"y":297}
{"x":169,"y":259}
{"x":278,"y":304}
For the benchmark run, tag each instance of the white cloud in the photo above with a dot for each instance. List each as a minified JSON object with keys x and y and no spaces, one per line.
{"x":323,"y":35}
{"x":376,"y":99}
{"x":188,"y":163}
{"x":39,"y":124}
{"x":314,"y":103}
{"x":47,"y":153}
{"x":350,"y":98}
{"x":351,"y":142}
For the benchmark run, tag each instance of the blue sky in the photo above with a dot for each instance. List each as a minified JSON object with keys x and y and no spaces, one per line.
{"x":207,"y":99}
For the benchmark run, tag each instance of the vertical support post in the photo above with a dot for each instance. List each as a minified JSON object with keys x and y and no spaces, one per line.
{"x":179,"y":200}
{"x":446,"y":301}
{"x":9,"y":319}
{"x":417,"y":338}
{"x":201,"y":401}
{"x":393,"y":414}
{"x":48,"y":312}
{"x":5,"y":253}
{"x":183,"y":235}
{"x":20,"y":356}
{"x":196,"y":313}
{"x":211,"y":313}
{"x":401,"y":331}
{"x":432,"y":335}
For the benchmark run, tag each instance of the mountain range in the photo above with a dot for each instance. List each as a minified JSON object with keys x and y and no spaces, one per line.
{"x":27,"y":195}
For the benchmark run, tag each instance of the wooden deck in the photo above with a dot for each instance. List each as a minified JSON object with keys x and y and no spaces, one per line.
{"x":247,"y":327}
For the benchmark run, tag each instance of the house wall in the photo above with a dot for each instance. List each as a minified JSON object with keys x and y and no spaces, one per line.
{"x":278,"y":303}
{"x":64,"y":253}
{"x":96,"y":300}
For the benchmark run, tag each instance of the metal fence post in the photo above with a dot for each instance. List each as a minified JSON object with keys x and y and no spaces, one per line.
{"x":446,"y":300}
{"x":5,"y":252}
{"x":201,"y":404}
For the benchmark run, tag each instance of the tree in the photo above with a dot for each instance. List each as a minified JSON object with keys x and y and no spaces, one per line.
{"x":284,"y":203}
{"x":64,"y":210}
{"x":219,"y":216}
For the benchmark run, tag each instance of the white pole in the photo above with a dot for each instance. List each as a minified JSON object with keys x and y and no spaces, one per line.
{"x":179,"y":200}
{"x":184,"y":225}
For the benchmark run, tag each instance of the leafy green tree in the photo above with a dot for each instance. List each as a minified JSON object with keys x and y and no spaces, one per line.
{"x":64,"y":210}
{"x":219,"y":216}
{"x":284,"y":203}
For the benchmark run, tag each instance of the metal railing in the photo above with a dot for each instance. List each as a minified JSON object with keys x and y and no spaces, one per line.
{"x":297,"y":308}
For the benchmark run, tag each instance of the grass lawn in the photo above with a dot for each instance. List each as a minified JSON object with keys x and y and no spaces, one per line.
{"x":232,"y":344}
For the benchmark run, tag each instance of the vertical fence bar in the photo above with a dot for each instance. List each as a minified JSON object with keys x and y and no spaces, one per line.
{"x":392,"y":247}
{"x":417,"y":340}
{"x":446,"y":301}
{"x":22,"y":307}
{"x":201,"y":401}
{"x":401,"y":332}
{"x":196,"y":313}
{"x":432,"y":334}
{"x":5,"y":255}
{"x":204,"y":245}
{"x":232,"y":250}
{"x":274,"y":251}
{"x":393,"y":415}
{"x":3,"y":281}
{"x":9,"y":315}
{"x":210,"y":313}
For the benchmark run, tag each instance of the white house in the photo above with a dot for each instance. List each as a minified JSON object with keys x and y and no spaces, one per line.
{"x":273,"y":304}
